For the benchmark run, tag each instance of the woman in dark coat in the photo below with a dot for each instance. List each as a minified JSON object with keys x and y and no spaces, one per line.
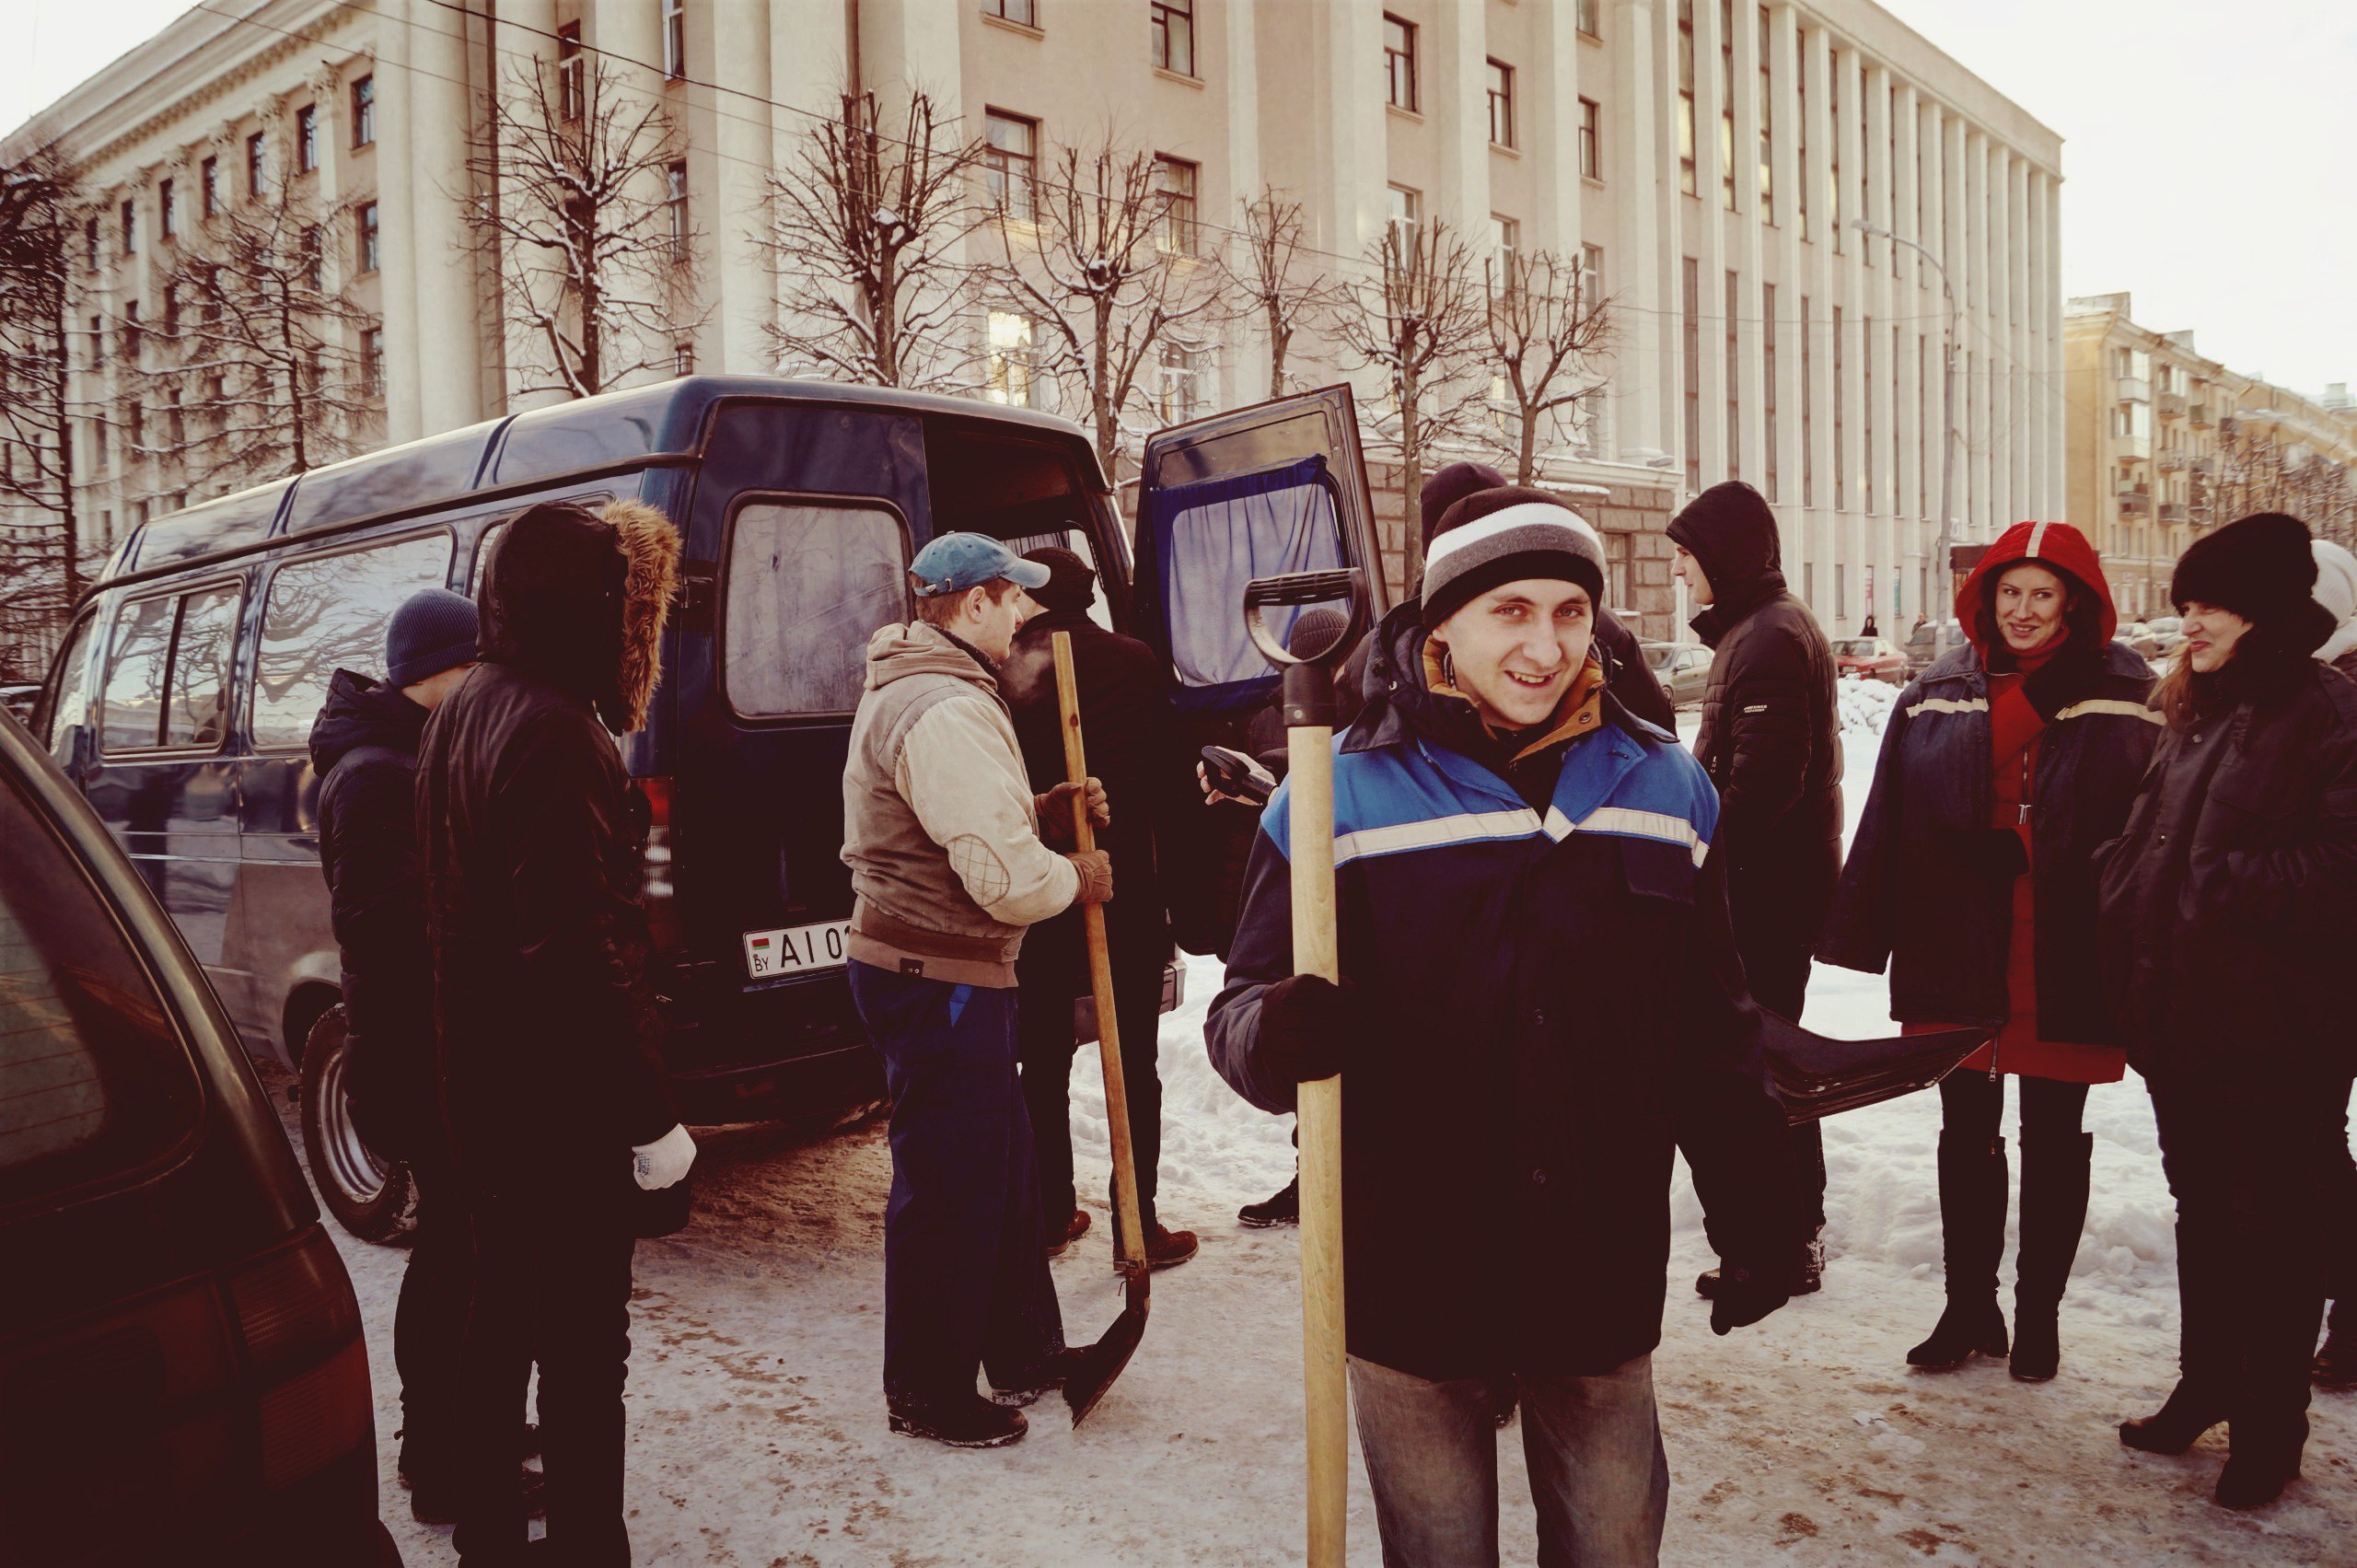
{"x":2007,"y":763}
{"x":2228,"y":911}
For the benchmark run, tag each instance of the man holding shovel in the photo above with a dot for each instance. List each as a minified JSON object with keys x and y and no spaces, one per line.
{"x":1538,"y":1000}
{"x":944,"y":838}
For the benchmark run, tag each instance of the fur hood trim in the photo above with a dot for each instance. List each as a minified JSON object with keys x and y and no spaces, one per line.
{"x":650,"y":548}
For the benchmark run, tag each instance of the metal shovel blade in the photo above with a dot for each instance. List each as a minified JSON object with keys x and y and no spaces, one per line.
{"x":1110,"y":1355}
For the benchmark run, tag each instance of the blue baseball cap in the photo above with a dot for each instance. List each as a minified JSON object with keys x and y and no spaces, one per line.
{"x":955,"y":561}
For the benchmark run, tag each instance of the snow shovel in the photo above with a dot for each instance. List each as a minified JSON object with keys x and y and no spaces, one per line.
{"x":1816,"y":1076}
{"x":1112,"y":1352}
{"x":1309,"y":702}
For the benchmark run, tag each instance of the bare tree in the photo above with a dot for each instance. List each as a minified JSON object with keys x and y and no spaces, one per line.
{"x":594,"y":250}
{"x":1547,"y":339}
{"x":1267,"y":280}
{"x":256,"y":365}
{"x":39,"y":198}
{"x":1416,"y":314}
{"x":867,"y":239}
{"x":1111,"y":280}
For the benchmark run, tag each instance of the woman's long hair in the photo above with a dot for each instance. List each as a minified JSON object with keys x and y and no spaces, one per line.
{"x":2174,"y":694}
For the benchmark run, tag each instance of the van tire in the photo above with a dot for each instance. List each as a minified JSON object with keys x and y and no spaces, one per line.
{"x":371,"y":1197}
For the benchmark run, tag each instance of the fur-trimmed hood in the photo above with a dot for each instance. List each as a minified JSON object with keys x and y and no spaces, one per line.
{"x":580,"y":598}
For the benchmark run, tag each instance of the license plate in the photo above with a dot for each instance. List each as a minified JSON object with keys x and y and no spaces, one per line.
{"x":797,"y":949}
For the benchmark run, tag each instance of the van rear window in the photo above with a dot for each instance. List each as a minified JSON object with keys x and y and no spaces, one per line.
{"x":95,"y":1084}
{"x":808,"y":584}
{"x":329,"y":612}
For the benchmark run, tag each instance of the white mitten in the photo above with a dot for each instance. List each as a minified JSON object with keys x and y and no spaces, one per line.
{"x":665,"y":1161}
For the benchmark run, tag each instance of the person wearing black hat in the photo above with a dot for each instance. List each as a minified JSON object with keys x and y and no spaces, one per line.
{"x":2228,"y":908}
{"x":1125,"y":719}
{"x":1540,"y":998}
{"x":364,"y":747}
{"x":1772,"y":743}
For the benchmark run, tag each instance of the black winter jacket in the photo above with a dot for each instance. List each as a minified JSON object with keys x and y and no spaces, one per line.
{"x":364,"y":747}
{"x":1552,"y":1005}
{"x":1771,"y":733}
{"x":2229,"y":905}
{"x":1924,"y":890}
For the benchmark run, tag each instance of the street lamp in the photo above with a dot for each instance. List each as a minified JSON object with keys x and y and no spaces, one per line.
{"x":1947,"y":407}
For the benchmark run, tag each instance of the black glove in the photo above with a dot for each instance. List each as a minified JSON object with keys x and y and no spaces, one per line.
{"x":1744,"y":1297}
{"x":1306,"y":1025}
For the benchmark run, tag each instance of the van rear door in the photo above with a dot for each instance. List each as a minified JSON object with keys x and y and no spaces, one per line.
{"x":1276,"y":488}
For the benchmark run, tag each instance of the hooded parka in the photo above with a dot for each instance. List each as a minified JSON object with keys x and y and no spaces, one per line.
{"x":1554,"y":1005}
{"x":1932,"y":879}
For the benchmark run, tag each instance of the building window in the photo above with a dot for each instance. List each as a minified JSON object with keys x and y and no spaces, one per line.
{"x":172,"y":312}
{"x":129,"y":221}
{"x":1800,"y":145}
{"x":1588,"y":18}
{"x":1505,"y":244}
{"x":1734,"y":412}
{"x":1502,"y":104}
{"x":90,"y":241}
{"x":570,"y":67}
{"x":1007,"y":378}
{"x":130,"y":338}
{"x":1400,"y":62}
{"x":208,"y":186}
{"x":1012,"y":164}
{"x":683,"y":357}
{"x":369,"y":253}
{"x":1592,"y":275}
{"x":1686,"y":97}
{"x":307,"y":139}
{"x":1833,"y":165}
{"x":1404,"y":212}
{"x":1727,"y":103}
{"x":1767,"y":119}
{"x":364,"y":112}
{"x":1591,"y":143}
{"x":175,"y":424}
{"x":1692,"y":300}
{"x":168,"y":210}
{"x":1866,"y":354}
{"x":311,"y":252}
{"x":1841,"y":455}
{"x":257,"y":166}
{"x":675,"y":39}
{"x":1808,"y":410}
{"x":1024,"y":13}
{"x":1178,"y":383}
{"x":1175,"y":179}
{"x":1768,"y":386}
{"x":1173,"y":25}
{"x":675,"y":209}
{"x":97,"y":342}
{"x":1841,"y":589}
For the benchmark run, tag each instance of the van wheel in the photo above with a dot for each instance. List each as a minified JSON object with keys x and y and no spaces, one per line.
{"x":369,"y":1196}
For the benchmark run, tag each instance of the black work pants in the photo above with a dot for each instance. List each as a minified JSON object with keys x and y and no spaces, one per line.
{"x":430,"y":1322}
{"x":551,"y":1291}
{"x":1046,"y":1043}
{"x":1778,"y":972}
{"x":2255,"y":1175}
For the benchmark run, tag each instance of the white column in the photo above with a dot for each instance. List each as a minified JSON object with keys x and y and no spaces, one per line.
{"x":1709,"y":246}
{"x":1979,"y":433}
{"x":1632,"y":270}
{"x":1356,"y":129}
{"x":446,"y":308}
{"x":1848,"y":550}
{"x":738,"y":222}
{"x":2020,"y":308}
{"x":1551,"y":90}
{"x":1880,"y":304}
{"x":397,"y":210}
{"x":1818,"y":285}
{"x":1952,"y":249}
{"x":1907,"y":303}
{"x":1751,"y":233}
{"x":524,"y":40}
{"x":1240,"y":33}
{"x":1457,"y":99}
{"x":1783,"y":75}
{"x":2057,"y":450}
{"x":2005,"y":370}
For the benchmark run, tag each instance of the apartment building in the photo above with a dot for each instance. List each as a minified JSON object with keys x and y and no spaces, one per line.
{"x":2166,"y":444}
{"x":1706,"y":163}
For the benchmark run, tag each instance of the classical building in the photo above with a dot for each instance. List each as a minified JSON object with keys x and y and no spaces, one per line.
{"x":1705,"y":163}
{"x":2166,"y":444}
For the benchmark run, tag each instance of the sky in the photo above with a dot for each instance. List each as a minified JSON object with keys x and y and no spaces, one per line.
{"x":2206,"y":154}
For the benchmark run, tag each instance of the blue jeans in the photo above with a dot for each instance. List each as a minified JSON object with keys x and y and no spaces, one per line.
{"x":1598,"y":1477}
{"x":966,"y":1281}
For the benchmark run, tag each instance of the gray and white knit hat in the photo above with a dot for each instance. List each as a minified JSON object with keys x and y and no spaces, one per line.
{"x":1503,"y":535}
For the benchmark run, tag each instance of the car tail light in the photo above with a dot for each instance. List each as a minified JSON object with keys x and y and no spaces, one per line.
{"x":655,"y":880}
{"x":301,"y":1326}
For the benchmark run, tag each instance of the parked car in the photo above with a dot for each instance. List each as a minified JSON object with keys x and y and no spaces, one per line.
{"x":184,"y":694}
{"x":1922,"y":645}
{"x":2143,"y":641}
{"x":1683,"y":669}
{"x":182,"y":1373}
{"x":1870,"y":657}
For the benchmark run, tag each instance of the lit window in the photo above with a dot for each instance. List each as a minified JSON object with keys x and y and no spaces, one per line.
{"x":364,"y":111}
{"x":1009,"y":371}
{"x":1400,"y":61}
{"x":1175,"y":179}
{"x":1591,"y":139}
{"x":1505,"y":244}
{"x":1501,"y":104}
{"x":1404,"y":210}
{"x":1173,"y":25}
{"x":1588,"y":18}
{"x":1179,"y":384}
{"x":1011,"y":163}
{"x":675,"y":206}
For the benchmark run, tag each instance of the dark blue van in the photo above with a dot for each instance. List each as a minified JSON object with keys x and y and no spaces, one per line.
{"x":183,"y":698}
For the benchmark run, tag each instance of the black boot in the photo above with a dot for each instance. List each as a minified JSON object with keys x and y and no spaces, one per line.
{"x":2259,"y":1467}
{"x":2054,"y":1210}
{"x":2188,"y":1412}
{"x":961,"y":1421}
{"x":1283,"y":1208}
{"x":1972,"y":1239}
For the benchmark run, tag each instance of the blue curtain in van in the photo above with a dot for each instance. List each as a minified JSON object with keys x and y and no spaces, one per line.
{"x":1210,"y":539}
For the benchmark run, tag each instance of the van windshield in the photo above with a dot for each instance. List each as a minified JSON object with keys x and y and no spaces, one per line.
{"x":95,"y":1084}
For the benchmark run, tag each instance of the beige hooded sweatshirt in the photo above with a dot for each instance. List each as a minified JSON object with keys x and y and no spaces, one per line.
{"x":939,"y":828}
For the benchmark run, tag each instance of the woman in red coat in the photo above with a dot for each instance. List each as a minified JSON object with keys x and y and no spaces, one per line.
{"x":2005,"y":764}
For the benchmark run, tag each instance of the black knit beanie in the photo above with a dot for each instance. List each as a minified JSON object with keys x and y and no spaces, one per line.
{"x":1446,"y":488}
{"x":1072,"y":583}
{"x":1503,"y":535}
{"x":2260,"y":568}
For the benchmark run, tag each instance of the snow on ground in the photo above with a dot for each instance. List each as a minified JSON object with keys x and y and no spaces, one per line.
{"x":757,"y":1435}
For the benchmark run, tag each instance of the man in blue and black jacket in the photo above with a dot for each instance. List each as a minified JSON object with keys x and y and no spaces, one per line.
{"x":1540,"y":1000}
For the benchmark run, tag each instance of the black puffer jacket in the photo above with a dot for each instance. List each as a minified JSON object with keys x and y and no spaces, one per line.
{"x":1771,"y":729}
{"x":364,"y":747}
{"x":549,"y":1049}
{"x":2229,"y":906}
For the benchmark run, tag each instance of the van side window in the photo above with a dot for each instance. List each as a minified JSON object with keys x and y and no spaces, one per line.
{"x":329,"y":612}
{"x":132,"y":709}
{"x":69,"y":702}
{"x":199,"y":711}
{"x":807,"y":583}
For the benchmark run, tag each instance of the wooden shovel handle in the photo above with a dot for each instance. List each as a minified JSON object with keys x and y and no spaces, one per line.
{"x":1310,"y":780}
{"x":1132,"y":1245}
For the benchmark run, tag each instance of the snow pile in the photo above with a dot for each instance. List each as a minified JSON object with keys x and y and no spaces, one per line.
{"x":1866,"y":705}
